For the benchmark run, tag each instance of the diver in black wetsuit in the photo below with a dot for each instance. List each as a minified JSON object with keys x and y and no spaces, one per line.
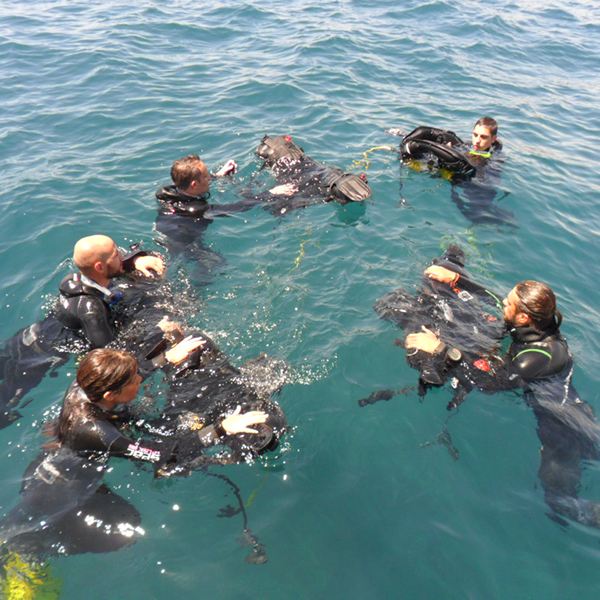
{"x":64,"y":507}
{"x":539,"y":362}
{"x":185,"y":213}
{"x":314,"y":182}
{"x":472,"y":168}
{"x":459,"y":314}
{"x":478,"y":193}
{"x":85,"y":301}
{"x":82,"y":318}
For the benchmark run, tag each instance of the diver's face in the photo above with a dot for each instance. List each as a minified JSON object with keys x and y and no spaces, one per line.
{"x":129,"y":391}
{"x":482,"y":138}
{"x":199,"y":188}
{"x":114,"y":263}
{"x":510,"y":308}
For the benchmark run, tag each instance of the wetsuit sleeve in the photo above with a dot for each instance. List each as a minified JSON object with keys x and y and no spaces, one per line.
{"x":526,"y":370}
{"x":226,"y":210}
{"x":159,"y":452}
{"x":489,"y":375}
{"x":276,"y":203}
{"x":93,"y":314}
{"x":532,"y":363}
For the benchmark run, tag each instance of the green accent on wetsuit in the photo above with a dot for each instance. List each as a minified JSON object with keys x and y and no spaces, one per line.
{"x":484,"y":154}
{"x":533,"y":350}
{"x":498,"y":301}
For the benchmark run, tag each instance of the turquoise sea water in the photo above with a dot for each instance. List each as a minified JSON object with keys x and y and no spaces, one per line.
{"x":97,"y":100}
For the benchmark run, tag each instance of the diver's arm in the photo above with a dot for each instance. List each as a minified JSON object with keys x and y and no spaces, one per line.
{"x":171,"y":451}
{"x":233,"y":208}
{"x":159,"y":452}
{"x":530,"y":365}
{"x":93,"y":314}
{"x":113,"y":442}
{"x":250,"y":200}
{"x":492,"y":374}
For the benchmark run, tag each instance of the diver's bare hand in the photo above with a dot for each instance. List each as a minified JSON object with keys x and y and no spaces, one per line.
{"x":441,"y":274}
{"x":426,"y":340}
{"x":237,"y":423}
{"x":182,"y":350}
{"x":287,"y":189}
{"x":229,"y":168}
{"x":150,"y":265}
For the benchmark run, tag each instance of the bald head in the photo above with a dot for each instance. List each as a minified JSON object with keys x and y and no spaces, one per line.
{"x":89,"y":250}
{"x":98,"y":258}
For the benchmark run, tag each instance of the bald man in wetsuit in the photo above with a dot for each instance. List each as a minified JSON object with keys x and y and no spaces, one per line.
{"x":83,"y":314}
{"x":85,"y":299}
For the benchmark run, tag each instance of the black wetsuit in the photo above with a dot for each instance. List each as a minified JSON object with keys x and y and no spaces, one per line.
{"x":315,"y":183}
{"x":206,"y":387}
{"x":90,"y":312}
{"x":86,"y":310}
{"x":475,"y":197}
{"x":64,"y":507}
{"x":183,"y":220}
{"x":25,"y":359}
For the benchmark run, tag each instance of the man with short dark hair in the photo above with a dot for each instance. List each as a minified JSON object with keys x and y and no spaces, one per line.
{"x":185,"y":213}
{"x":191,"y":177}
{"x":477,"y":199}
{"x":190,"y":191}
{"x":485,"y":135}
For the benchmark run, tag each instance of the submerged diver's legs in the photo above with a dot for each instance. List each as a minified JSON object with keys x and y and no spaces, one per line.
{"x":183,"y":238}
{"x":560,"y":470}
{"x":105,"y":522}
{"x":23,"y":365}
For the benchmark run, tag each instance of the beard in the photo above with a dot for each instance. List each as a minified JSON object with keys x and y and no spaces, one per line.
{"x":115,"y":271}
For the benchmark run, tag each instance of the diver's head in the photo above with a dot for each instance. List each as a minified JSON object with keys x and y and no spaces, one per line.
{"x":109,"y":377}
{"x":98,"y":257}
{"x":532,"y":303}
{"x":190,"y":175}
{"x":485,"y":134}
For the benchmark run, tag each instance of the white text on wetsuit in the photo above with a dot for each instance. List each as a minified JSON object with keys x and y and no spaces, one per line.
{"x":135,"y":451}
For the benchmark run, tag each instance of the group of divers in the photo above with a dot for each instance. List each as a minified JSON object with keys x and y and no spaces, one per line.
{"x":112,"y":314}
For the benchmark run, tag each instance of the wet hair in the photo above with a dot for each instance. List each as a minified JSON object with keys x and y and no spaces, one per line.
{"x":489,"y":123}
{"x":185,"y":170}
{"x":105,"y":370}
{"x":102,"y":370}
{"x":538,"y":302}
